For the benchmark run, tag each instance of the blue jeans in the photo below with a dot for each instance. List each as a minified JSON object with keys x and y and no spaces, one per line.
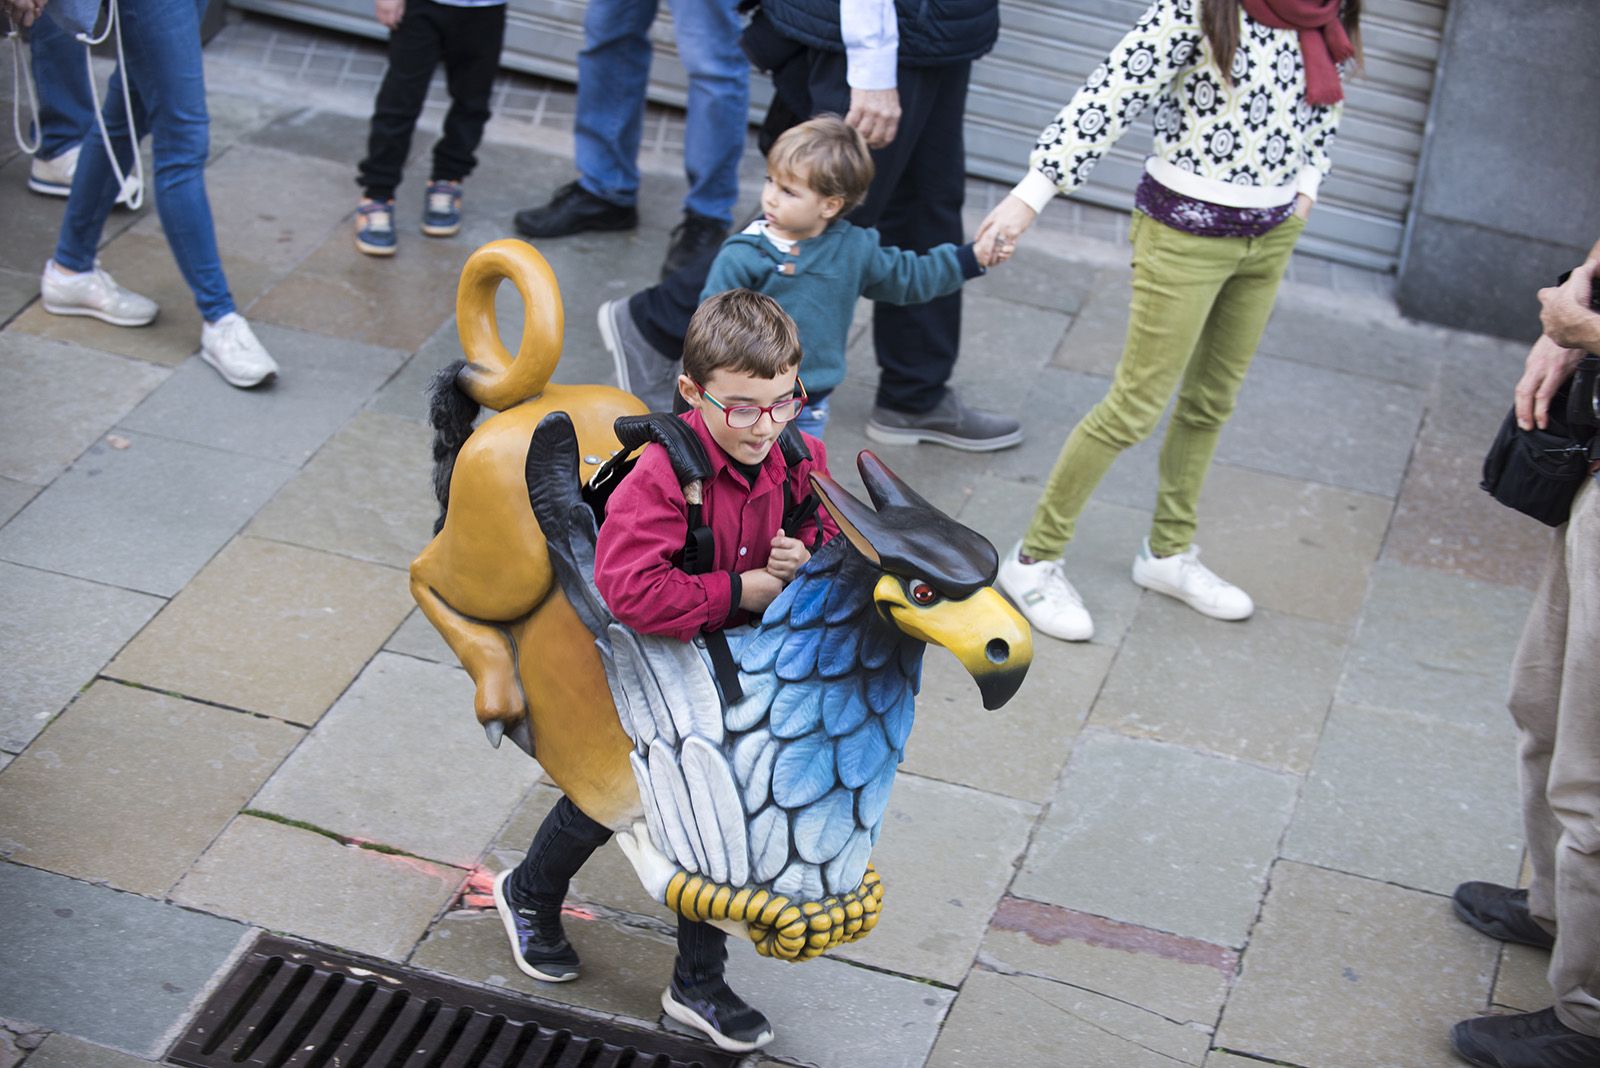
{"x":161,"y":45}
{"x":613,"y":70}
{"x":813,"y":418}
{"x":66,"y":108}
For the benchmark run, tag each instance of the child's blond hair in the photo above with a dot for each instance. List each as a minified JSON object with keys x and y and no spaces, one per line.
{"x":830,"y":154}
{"x":742,"y":331}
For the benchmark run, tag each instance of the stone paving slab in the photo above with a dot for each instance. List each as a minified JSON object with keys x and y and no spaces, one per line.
{"x":1323,"y":426}
{"x":1445,"y":522}
{"x":368,"y":494}
{"x":411,"y":722}
{"x":1522,"y":982}
{"x":1332,"y":951}
{"x":1362,"y":812}
{"x":318,"y":134}
{"x":322,"y":384}
{"x":931,"y":927}
{"x":1181,"y":979}
{"x":14,"y":496}
{"x":1255,"y":690}
{"x":147,"y":516}
{"x":1297,"y":547}
{"x":58,"y":400}
{"x":1039,"y":277}
{"x":1394,"y":349}
{"x":32,"y":221}
{"x":141,"y":260}
{"x":56,"y":633}
{"x":17,"y":290}
{"x":1159,"y":836}
{"x":116,"y":969}
{"x":1021,"y":1019}
{"x":1435,"y":644}
{"x":1017,"y":750}
{"x":93,"y":797}
{"x":1472,"y":392}
{"x":1099,"y":331}
{"x":313,"y":620}
{"x":406,"y":393}
{"x":419,"y":638}
{"x":306,"y":884}
{"x":64,"y":1051}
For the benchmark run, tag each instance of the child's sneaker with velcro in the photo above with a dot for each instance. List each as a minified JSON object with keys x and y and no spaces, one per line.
{"x":714,"y":1010}
{"x":441,"y":212}
{"x":375,"y":227}
{"x":538,"y":944}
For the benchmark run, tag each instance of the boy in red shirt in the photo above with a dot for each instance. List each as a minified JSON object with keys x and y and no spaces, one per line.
{"x":741,"y":361}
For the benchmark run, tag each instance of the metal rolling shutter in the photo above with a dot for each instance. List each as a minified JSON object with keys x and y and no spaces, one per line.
{"x":1046,"y":49}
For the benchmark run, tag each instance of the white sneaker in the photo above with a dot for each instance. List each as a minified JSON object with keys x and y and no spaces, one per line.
{"x":230,"y":346}
{"x":1043,"y":595}
{"x":94,"y":293}
{"x":53,"y":177}
{"x":1183,"y":576}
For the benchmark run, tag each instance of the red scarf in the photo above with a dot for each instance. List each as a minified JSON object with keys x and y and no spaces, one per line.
{"x":1323,"y":42}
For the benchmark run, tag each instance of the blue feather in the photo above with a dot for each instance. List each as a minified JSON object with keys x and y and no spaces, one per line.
{"x":796,"y":709}
{"x":878,"y":643}
{"x":762,"y":649}
{"x":758,"y":693}
{"x":843,"y":873}
{"x":769,"y":842}
{"x":806,"y":610}
{"x":884,"y":689}
{"x":873,"y":798}
{"x":845,"y":601}
{"x":798,"y":659}
{"x":822,"y":829}
{"x":897,"y":722}
{"x":781,"y":604}
{"x":837,"y":657}
{"x":803,"y":772}
{"x":843,"y":707}
{"x":861,"y":754}
{"x":911,"y":652}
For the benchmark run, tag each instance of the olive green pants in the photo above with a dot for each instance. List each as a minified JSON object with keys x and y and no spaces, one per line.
{"x":1199,"y":307}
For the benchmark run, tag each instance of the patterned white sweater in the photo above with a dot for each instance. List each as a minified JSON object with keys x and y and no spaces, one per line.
{"x":1252,"y":145}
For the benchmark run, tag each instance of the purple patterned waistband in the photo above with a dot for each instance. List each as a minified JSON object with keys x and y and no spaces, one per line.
{"x":1203,"y":218}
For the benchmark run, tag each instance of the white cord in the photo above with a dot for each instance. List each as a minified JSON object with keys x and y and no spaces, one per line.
{"x":20,"y":76}
{"x":133,"y":197}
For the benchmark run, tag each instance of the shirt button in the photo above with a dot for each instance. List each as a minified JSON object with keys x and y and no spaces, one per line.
{"x":742,"y":550}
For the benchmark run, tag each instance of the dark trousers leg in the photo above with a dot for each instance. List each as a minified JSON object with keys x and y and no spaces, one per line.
{"x":415,"y":47}
{"x":565,"y":840}
{"x":702,"y":953}
{"x":471,"y":61}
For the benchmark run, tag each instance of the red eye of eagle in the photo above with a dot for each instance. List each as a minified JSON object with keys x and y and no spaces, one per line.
{"x":923,"y":594}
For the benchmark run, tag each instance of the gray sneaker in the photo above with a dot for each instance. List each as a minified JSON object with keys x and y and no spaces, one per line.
{"x":641,"y":368}
{"x":949,"y":423}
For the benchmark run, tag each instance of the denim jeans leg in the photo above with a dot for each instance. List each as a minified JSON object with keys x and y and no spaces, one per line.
{"x":613,"y":69}
{"x":161,"y":40}
{"x":94,"y":184}
{"x":719,"y":103}
{"x":813,"y":418}
{"x":66,"y":104}
{"x":702,"y":953}
{"x":564,"y":842}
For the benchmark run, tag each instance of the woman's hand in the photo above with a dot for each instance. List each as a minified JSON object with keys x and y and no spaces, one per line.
{"x":390,"y":12}
{"x":788,"y":555}
{"x":997,"y":236}
{"x":1302,"y":206}
{"x":22,"y":12}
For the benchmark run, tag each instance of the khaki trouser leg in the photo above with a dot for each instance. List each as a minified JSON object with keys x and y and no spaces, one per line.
{"x":1555,"y":701}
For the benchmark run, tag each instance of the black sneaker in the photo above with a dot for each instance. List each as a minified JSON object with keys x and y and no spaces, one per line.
{"x":949,"y":423}
{"x":719,"y":1014}
{"x":538,"y":944}
{"x":573,"y":209}
{"x":695,"y":240}
{"x":1526,"y":1040}
{"x":1501,"y":912}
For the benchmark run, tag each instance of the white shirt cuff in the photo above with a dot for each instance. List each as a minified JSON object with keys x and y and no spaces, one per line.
{"x":871,"y":68}
{"x":1035,"y":190}
{"x":1308,"y":182}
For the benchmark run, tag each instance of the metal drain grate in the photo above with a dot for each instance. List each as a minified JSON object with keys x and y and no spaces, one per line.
{"x":290,"y":1004}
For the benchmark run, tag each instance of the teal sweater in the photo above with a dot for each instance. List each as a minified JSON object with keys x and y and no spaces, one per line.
{"x":818,"y":284}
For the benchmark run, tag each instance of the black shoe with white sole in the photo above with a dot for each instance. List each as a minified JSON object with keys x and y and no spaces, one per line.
{"x":1525,"y":1040}
{"x":718,"y":1013}
{"x":538,"y":944}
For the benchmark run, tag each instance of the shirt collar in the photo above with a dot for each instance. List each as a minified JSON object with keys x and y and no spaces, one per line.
{"x":774,"y":469}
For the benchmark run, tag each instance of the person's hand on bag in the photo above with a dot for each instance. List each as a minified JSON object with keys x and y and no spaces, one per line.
{"x":1548,"y":365}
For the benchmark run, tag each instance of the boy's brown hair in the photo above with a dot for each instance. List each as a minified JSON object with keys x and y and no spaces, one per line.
{"x":831,"y":154}
{"x":742,"y":331}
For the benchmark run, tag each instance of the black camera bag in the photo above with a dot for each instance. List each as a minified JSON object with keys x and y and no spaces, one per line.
{"x":1538,"y":472}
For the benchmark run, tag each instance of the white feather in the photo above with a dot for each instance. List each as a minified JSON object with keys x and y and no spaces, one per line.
{"x":677,"y":816}
{"x":718,"y":815}
{"x":641,"y":729}
{"x":647,"y":795}
{"x":769,"y":842}
{"x":686,"y":685}
{"x":801,"y":881}
{"x":641,"y":683}
{"x":843,"y":873}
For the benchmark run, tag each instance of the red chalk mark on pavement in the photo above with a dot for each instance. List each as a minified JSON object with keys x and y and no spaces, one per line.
{"x":1049,"y":925}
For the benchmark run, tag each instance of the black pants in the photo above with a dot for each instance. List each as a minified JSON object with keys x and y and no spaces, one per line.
{"x":467,"y":40}
{"x":565,"y":840}
{"x":915,"y":202}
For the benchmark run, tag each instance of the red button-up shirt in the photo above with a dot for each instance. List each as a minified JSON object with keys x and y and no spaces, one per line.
{"x":647,"y":521}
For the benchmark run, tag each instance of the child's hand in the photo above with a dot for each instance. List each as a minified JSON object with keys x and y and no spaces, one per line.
{"x":390,"y":12}
{"x":788,"y":556}
{"x":758,"y":589}
{"x":998,"y":234}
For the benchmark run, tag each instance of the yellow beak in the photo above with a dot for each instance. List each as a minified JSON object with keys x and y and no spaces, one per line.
{"x":984,"y":632}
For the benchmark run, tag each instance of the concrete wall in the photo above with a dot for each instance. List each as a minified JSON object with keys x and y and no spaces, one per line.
{"x":1510,"y":189}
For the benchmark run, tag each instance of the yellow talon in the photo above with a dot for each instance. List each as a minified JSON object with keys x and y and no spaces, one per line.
{"x":675,"y":888}
{"x":719,"y":902}
{"x":702,"y":899}
{"x":736,"y":907}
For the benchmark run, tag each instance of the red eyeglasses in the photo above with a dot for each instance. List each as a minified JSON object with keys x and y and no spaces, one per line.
{"x":745,"y":416}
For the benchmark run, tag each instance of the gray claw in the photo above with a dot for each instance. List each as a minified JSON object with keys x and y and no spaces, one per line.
{"x":496,"y":731}
{"x":522,"y":736}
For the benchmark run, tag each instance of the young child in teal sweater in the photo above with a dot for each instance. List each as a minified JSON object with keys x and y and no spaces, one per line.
{"x":804,"y":255}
